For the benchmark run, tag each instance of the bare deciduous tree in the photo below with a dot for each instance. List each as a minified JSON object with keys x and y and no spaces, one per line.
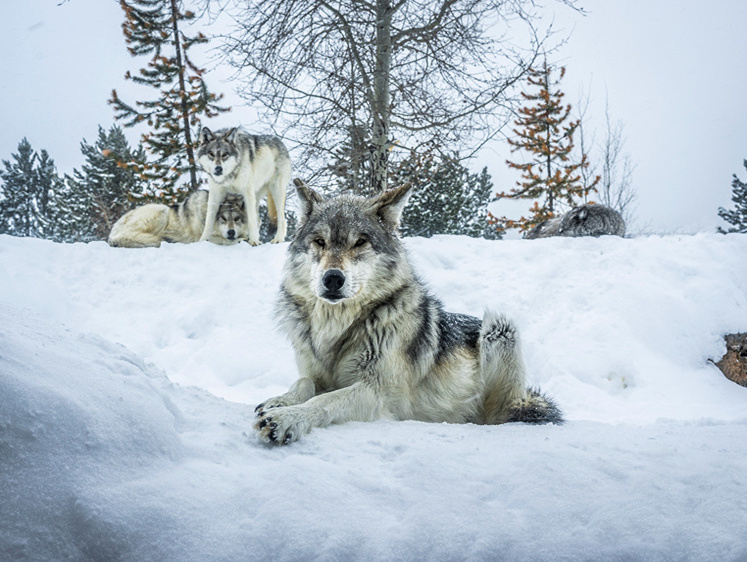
{"x":610,"y":163}
{"x":616,"y":186}
{"x":348,"y":80}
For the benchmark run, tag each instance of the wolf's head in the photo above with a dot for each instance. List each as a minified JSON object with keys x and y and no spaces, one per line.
{"x":231,"y":219}
{"x":347,"y":247}
{"x":217,"y":153}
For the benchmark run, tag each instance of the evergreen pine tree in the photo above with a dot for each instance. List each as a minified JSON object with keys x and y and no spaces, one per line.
{"x":543,"y":130}
{"x":447,"y":198}
{"x":154,"y":28}
{"x":28,"y":193}
{"x":17,"y":195}
{"x":99,"y":193}
{"x":351,"y":163}
{"x":736,"y":217}
{"x":49,"y":187}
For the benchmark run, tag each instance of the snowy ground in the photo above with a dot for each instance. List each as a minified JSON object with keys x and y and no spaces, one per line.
{"x":128,"y":380}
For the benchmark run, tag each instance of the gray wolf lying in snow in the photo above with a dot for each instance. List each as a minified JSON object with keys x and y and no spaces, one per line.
{"x":151,"y":224}
{"x":371,"y":342}
{"x":585,"y":220}
{"x":252,"y":166}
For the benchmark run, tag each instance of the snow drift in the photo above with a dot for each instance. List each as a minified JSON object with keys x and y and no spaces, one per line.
{"x":128,"y":380}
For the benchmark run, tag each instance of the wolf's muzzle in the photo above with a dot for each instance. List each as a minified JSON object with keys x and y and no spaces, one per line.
{"x":218,"y":170}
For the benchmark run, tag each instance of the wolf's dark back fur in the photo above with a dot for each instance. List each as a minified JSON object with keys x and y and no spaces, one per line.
{"x":592,"y":220}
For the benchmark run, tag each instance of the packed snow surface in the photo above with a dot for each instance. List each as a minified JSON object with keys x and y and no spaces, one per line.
{"x":128,"y":380}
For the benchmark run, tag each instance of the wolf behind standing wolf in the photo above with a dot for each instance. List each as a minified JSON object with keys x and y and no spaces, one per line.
{"x":153,"y":223}
{"x":252,"y":166}
{"x":370,"y":340}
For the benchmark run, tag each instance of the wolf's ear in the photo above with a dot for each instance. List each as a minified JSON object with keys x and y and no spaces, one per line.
{"x":230,"y":136}
{"x":206,"y":135}
{"x":389,"y":205}
{"x":308,"y":198}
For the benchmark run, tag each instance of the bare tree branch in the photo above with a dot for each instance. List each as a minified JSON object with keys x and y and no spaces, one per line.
{"x":352,"y":79}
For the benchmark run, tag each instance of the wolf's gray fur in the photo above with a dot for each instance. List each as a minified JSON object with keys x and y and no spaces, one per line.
{"x":151,"y":224}
{"x":253,"y":166}
{"x":372,"y":342}
{"x":585,"y":220}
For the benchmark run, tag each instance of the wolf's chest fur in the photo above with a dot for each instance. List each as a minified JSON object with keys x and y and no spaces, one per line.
{"x":339,"y":345}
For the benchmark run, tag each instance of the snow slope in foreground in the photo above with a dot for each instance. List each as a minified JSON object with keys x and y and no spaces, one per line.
{"x":103,"y":456}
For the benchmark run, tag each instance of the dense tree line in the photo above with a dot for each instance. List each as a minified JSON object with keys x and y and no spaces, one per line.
{"x":36,"y":201}
{"x":374,"y":93}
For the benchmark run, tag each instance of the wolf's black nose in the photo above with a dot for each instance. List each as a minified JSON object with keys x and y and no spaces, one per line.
{"x":218,"y":170}
{"x":231,"y":234}
{"x":333,"y":280}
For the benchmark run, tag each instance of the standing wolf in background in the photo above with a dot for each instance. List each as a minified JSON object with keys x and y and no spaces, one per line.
{"x":248,"y":165}
{"x":371,"y":342}
{"x":585,"y":220}
{"x":151,"y":224}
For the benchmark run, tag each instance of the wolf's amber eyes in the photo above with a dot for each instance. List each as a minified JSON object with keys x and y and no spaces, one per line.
{"x":360,"y":242}
{"x":319,"y":242}
{"x":211,"y":154}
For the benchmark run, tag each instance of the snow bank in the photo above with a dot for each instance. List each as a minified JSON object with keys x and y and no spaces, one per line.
{"x":112,"y":452}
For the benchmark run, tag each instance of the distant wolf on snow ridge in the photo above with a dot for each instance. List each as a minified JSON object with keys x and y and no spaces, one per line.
{"x":584,"y":220}
{"x":371,"y":342}
{"x":151,"y":224}
{"x":253,"y":166}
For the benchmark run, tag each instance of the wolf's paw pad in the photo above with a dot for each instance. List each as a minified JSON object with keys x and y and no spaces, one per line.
{"x":502,"y":332}
{"x":281,"y":426}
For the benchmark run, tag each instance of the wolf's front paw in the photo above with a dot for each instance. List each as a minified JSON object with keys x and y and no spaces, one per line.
{"x":277,"y":241}
{"x":253,"y":242}
{"x":277,"y":402}
{"x":283,"y":425}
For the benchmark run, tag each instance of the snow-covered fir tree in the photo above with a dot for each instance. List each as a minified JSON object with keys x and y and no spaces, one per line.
{"x":27,"y":193}
{"x":544,"y":131}
{"x":447,"y":198}
{"x":737,"y":217}
{"x":101,"y":191}
{"x":154,"y":28}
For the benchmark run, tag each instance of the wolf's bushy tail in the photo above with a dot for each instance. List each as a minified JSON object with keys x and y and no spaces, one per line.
{"x":537,"y":408}
{"x":272,"y":216}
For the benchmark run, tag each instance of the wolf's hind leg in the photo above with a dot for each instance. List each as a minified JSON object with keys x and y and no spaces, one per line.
{"x":301,"y":391}
{"x":501,"y":367}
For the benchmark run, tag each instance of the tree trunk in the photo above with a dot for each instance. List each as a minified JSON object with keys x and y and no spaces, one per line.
{"x":183,"y":96}
{"x":381,"y":98}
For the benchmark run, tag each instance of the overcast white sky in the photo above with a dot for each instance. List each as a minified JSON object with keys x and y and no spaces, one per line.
{"x":674,"y":71}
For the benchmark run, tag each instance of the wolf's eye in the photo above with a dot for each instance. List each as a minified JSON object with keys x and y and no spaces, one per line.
{"x":211,"y":154}
{"x":360,"y":242}
{"x":319,"y":242}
